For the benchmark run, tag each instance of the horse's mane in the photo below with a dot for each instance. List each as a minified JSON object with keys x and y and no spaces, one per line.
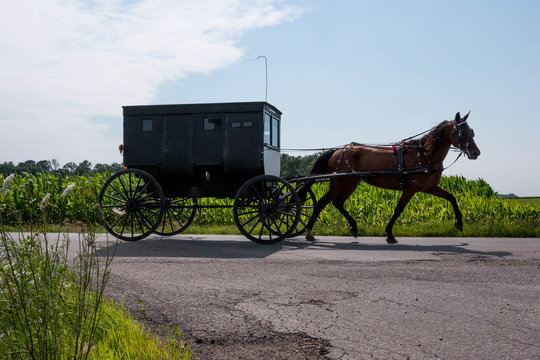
{"x":432,"y":140}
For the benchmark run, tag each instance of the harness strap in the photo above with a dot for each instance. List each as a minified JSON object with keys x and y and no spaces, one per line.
{"x":343,"y":155}
{"x":399,"y":150}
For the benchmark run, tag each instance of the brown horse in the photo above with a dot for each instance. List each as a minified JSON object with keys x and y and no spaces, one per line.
{"x":412,"y":166}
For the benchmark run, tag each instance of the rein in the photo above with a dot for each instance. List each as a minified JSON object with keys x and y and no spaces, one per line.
{"x":354,"y":143}
{"x":398,"y":149}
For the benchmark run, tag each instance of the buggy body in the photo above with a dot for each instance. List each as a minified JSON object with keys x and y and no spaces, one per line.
{"x":203,"y":150}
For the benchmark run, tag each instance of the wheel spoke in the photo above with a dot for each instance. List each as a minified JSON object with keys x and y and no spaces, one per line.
{"x":114,"y":198}
{"x":118,"y":192}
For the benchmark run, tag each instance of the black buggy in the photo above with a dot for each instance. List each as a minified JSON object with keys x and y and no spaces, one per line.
{"x":175,"y":155}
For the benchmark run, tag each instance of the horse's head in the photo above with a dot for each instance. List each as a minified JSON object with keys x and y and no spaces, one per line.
{"x":463,"y":137}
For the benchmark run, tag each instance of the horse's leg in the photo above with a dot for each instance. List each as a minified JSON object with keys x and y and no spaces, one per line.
{"x":352,"y":222}
{"x":438,"y":191}
{"x":339,"y":201}
{"x":319,"y":206}
{"x":405,"y":198}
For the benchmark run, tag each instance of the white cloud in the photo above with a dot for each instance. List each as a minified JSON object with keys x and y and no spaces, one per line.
{"x":63,"y":62}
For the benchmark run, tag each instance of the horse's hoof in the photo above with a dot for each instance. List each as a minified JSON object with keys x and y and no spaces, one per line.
{"x":354,"y":233}
{"x":309,"y":235}
{"x":459,"y":226}
{"x":391,"y":240}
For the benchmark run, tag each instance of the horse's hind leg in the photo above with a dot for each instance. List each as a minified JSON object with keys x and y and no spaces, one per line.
{"x":438,"y":191}
{"x":405,"y":198}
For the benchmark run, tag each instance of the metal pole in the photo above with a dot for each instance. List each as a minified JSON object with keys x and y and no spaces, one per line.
{"x":266,"y":76}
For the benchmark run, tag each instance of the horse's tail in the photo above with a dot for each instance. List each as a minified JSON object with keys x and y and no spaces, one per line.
{"x":320,"y":167}
{"x":321,"y":164}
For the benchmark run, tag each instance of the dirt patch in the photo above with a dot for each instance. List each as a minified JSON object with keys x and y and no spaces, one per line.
{"x":274,"y":347}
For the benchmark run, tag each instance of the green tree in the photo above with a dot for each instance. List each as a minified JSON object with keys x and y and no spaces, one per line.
{"x":84,"y":168}
{"x":69,"y":167}
{"x":7,"y":168}
{"x":297,"y":165}
{"x":28,"y":166}
{"x":44,"y":166}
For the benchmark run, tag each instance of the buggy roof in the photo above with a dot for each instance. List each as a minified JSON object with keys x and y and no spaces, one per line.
{"x":175,"y":109}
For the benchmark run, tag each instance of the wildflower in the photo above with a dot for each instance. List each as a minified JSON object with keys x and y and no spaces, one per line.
{"x":68,"y":189}
{"x":44,"y":202}
{"x":118,"y":212}
{"x":7,"y":183}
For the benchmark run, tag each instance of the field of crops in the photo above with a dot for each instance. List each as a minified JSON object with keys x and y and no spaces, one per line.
{"x":21,"y":202}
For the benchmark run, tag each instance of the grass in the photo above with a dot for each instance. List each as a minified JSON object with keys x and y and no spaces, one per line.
{"x":52,"y":308}
{"x":535,"y":201}
{"x":123,"y":338}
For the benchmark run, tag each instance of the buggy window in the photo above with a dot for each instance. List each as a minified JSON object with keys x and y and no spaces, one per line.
{"x":271,"y":130}
{"x":267,"y":120}
{"x":275,"y":132}
{"x":147,"y":125}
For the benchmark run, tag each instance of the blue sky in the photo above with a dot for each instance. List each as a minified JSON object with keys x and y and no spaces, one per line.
{"x":341,"y":71}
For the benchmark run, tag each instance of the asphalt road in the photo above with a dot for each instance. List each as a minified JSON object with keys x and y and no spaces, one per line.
{"x":337,"y":297}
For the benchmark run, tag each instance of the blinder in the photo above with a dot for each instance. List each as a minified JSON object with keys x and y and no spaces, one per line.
{"x":461,"y":137}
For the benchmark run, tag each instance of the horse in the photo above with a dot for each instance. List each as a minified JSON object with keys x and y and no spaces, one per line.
{"x":410,"y":166}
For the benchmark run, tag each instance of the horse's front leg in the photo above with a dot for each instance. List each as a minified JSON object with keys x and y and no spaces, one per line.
{"x":439,"y":192}
{"x":319,"y":206}
{"x":405,"y":198}
{"x":347,"y":188}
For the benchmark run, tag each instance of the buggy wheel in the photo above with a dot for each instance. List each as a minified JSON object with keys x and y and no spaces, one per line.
{"x":266,"y":209}
{"x":178,"y":215}
{"x":132,"y":204}
{"x":306,"y":210}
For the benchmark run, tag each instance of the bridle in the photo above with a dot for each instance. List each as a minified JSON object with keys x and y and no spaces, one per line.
{"x":464,"y":148}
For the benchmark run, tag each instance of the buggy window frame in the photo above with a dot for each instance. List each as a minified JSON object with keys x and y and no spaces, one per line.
{"x":271,"y":132}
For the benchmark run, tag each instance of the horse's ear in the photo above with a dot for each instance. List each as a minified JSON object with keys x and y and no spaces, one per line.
{"x":458,"y":118}
{"x":466,"y":116}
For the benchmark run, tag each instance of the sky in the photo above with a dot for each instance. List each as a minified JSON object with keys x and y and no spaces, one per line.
{"x":340,"y":71}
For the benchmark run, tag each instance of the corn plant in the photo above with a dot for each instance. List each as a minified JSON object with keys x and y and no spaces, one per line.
{"x":371,"y":206}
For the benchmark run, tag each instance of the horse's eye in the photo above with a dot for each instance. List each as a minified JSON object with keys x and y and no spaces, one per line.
{"x":472,"y":132}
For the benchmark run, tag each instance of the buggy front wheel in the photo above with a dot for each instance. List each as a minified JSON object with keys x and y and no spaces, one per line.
{"x":132,"y":204}
{"x":266,"y":209}
{"x":307,"y":203}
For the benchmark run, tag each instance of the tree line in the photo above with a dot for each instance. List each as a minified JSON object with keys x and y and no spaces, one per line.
{"x":52,"y":166}
{"x":297,"y":165}
{"x":290,"y":166}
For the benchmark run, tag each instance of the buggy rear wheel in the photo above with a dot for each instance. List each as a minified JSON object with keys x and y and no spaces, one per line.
{"x":178,"y":215}
{"x":132,"y":204}
{"x":266,"y":209}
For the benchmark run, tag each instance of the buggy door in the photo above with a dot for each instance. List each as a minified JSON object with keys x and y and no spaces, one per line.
{"x":209,"y":141}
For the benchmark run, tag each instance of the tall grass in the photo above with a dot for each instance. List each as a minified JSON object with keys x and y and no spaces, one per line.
{"x":51,"y":303}
{"x":121,"y":337}
{"x":49,"y":310}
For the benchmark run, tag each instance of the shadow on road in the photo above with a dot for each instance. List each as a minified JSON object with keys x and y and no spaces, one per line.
{"x":192,"y":246}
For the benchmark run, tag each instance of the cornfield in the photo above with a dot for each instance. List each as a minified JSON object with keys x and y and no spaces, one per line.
{"x":372,"y":207}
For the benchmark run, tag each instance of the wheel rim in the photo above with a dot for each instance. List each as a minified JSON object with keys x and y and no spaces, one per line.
{"x":306,"y":210}
{"x":132,"y":204}
{"x":266,"y":209}
{"x":178,"y":215}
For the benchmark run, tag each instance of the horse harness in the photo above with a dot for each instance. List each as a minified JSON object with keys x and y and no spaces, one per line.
{"x":398,"y":150}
